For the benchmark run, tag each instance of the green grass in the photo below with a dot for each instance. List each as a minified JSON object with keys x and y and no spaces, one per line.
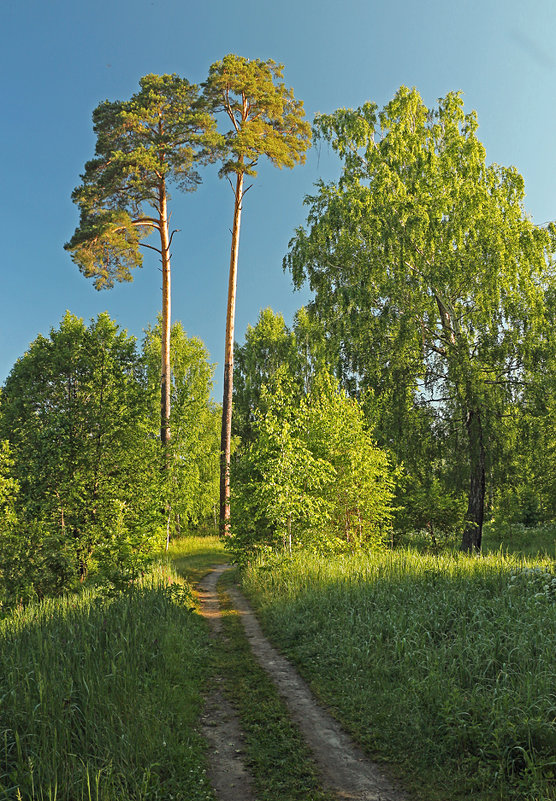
{"x":278,"y":758}
{"x":193,"y":556}
{"x":443,"y":666}
{"x":99,"y":696}
{"x":530,"y":541}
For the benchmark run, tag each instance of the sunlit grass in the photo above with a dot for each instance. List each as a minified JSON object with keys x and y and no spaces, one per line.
{"x":444,"y":665}
{"x":99,"y":696}
{"x":193,"y":556}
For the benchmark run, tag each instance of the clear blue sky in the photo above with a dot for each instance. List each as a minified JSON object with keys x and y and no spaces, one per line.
{"x":60,"y":58}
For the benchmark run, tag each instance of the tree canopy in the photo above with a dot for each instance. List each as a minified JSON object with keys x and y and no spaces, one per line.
{"x":143,"y":145}
{"x":81,"y":485}
{"x":312,"y":476}
{"x":428,"y":275}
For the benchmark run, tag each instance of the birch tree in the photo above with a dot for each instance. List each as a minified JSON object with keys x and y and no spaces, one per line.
{"x":427,"y":272}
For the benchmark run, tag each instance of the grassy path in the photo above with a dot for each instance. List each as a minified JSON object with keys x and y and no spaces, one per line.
{"x":442,"y":666}
{"x":268,"y":721}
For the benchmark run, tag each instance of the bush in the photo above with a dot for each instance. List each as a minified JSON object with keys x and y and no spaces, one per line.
{"x":312,"y":478}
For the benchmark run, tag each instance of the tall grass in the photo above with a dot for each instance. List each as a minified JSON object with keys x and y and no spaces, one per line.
{"x":517,"y":538}
{"x":99,"y":696}
{"x":444,"y":665}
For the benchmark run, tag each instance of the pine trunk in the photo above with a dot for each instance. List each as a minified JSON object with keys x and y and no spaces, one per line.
{"x":226,"y":436}
{"x":165,"y":376}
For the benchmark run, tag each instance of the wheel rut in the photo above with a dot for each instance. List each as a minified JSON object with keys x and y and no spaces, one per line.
{"x":344,"y":769}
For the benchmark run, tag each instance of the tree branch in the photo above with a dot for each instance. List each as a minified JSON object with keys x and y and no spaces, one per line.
{"x":175,"y":231}
{"x":144,"y":245}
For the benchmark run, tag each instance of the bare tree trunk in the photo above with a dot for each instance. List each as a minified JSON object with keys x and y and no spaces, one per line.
{"x":165,"y":378}
{"x":473,"y":531}
{"x":229,"y":366}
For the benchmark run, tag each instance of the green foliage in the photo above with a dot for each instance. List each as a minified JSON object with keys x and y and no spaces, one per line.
{"x":429,"y":507}
{"x":312,"y":477}
{"x":101,"y":696}
{"x":191,"y":478}
{"x":155,"y":138}
{"x":502,"y":536}
{"x":84,"y":484}
{"x":266,"y":119}
{"x":75,"y":410}
{"x":526,"y":493}
{"x":270,"y":345}
{"x":430,"y":279}
{"x":9,"y":488}
{"x":441,"y":665}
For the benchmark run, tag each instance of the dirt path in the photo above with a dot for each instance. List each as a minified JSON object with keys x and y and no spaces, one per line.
{"x":345,"y":770}
{"x":227,"y":773}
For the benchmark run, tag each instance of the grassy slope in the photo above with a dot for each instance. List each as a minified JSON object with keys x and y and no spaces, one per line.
{"x":99,"y":696}
{"x":444,"y":666}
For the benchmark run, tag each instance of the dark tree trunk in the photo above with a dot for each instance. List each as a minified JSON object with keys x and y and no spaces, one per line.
{"x":473,"y":531}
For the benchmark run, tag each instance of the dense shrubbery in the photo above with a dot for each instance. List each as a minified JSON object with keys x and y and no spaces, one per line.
{"x":312,"y":477}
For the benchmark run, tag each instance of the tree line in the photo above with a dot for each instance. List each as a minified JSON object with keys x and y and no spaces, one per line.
{"x":84,"y":485}
{"x":415,"y":391}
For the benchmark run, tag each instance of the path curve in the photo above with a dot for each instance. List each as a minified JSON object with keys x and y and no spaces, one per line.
{"x":345,"y":769}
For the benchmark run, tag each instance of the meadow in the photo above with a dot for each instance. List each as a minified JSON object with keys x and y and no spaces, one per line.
{"x":442,"y":666}
{"x":99,"y":695}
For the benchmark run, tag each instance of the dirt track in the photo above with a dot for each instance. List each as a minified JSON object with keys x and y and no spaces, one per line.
{"x":343,"y":767}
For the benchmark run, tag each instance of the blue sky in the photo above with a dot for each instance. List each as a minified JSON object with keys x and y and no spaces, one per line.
{"x":60,"y":58}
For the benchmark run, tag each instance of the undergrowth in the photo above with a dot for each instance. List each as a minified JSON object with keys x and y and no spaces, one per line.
{"x":444,"y":666}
